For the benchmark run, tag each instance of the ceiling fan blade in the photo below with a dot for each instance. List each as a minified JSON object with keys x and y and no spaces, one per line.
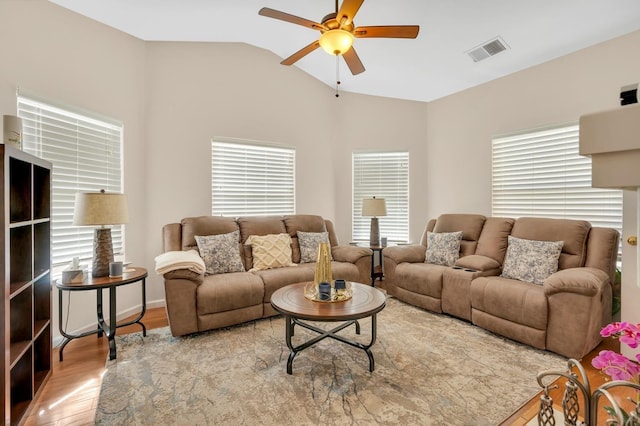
{"x":301,"y":53}
{"x":276,"y":14}
{"x":388,"y":31}
{"x":353,"y":61}
{"x":347,"y":11}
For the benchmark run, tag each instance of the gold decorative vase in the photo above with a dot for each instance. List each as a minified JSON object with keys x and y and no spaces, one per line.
{"x":323,"y":266}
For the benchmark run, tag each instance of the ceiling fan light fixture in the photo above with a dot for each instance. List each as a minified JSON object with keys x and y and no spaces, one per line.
{"x":336,"y":42}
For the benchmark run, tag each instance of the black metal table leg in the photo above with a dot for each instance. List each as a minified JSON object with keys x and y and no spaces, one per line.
{"x":288,"y":334}
{"x":323,"y":334}
{"x":99,"y":312}
{"x":138,"y":319}
{"x":111,"y":334}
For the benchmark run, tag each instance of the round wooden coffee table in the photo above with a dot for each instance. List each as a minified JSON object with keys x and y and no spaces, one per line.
{"x":367,"y":301}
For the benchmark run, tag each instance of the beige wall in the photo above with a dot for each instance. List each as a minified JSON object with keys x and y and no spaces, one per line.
{"x":371,"y":123}
{"x":174,"y":97}
{"x":461,"y":125}
{"x":196,"y":91}
{"x":61,"y":56}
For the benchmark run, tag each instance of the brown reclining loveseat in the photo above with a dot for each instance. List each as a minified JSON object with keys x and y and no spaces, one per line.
{"x":198,"y":302}
{"x":563,"y":314}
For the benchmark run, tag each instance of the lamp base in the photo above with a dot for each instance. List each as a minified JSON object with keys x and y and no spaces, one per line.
{"x":374,"y":235}
{"x":102,"y":252}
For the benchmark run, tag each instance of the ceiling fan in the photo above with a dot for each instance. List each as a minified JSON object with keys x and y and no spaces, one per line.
{"x":338,"y":32}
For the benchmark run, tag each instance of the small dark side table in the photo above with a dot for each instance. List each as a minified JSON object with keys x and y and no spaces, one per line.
{"x":130,"y":276}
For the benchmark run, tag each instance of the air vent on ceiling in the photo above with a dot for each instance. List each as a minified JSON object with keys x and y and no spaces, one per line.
{"x":490,"y":48}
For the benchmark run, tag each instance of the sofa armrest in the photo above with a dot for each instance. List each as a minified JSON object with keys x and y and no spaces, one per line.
{"x":349,"y":254}
{"x":184,"y":274}
{"x":479,"y":263}
{"x":412,"y":253}
{"x":584,"y":281}
{"x":181,"y":287}
{"x":579,"y":303}
{"x":395,"y":255}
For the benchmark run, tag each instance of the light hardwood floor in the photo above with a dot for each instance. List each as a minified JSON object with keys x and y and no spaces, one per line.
{"x":70,"y":396}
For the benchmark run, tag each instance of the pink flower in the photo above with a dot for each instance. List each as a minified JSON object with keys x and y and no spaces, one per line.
{"x":611,"y":329}
{"x":617,"y":366}
{"x":629,"y":334}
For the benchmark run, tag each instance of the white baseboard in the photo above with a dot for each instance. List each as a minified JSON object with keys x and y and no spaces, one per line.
{"x":57,"y":339}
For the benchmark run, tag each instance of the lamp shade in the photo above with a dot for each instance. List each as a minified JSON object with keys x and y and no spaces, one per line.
{"x":336,"y":42}
{"x":100,"y":208}
{"x":374,"y":207}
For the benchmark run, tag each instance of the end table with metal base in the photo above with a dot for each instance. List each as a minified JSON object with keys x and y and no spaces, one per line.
{"x":108,"y":328}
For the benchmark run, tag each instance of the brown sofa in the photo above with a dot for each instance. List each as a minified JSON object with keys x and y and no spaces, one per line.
{"x":563,"y":315}
{"x":197,"y":302}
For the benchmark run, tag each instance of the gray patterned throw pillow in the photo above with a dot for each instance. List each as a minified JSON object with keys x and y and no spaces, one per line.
{"x":443,"y":248}
{"x":530,"y":260}
{"x":309,"y":243}
{"x":220,"y":253}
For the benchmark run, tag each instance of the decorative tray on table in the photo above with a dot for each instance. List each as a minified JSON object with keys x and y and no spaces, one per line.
{"x":339,"y":294}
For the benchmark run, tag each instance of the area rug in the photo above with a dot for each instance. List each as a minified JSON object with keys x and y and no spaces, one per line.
{"x":430,"y":369}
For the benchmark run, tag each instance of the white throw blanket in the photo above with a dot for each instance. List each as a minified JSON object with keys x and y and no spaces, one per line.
{"x":172,"y":260}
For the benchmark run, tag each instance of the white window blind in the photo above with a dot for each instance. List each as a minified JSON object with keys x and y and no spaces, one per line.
{"x":86,"y":156}
{"x":251,"y":180}
{"x":383,"y":175}
{"x":540,"y":173}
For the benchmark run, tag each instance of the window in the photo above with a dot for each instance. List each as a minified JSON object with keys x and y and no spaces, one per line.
{"x":383,"y":175}
{"x":86,"y":155}
{"x":251,"y":179}
{"x":540,"y":173}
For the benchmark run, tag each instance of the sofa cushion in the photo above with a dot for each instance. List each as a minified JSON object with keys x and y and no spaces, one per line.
{"x":204,"y":225}
{"x":475,"y":262}
{"x":257,"y":226}
{"x":493,"y":239}
{"x":270,"y":251}
{"x":470,"y":225}
{"x":531,"y":261}
{"x":421,"y":278}
{"x":309,"y":243}
{"x":602,"y":250}
{"x":512,"y":300}
{"x":265,"y":225}
{"x":274,"y":279}
{"x":226,"y":292}
{"x":443,"y":248}
{"x":574,"y":233}
{"x":220,"y":253}
{"x":305,"y":223}
{"x":339,"y":270}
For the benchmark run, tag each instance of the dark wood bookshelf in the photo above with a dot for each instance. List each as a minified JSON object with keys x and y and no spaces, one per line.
{"x":25,"y":267}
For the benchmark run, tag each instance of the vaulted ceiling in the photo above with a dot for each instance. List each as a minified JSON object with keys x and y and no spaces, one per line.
{"x":434,"y":65}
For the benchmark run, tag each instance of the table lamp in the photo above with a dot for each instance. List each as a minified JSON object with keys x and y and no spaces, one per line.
{"x":101,"y":208}
{"x":374,"y":207}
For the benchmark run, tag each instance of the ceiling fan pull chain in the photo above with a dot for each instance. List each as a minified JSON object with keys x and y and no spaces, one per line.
{"x":337,"y":76}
